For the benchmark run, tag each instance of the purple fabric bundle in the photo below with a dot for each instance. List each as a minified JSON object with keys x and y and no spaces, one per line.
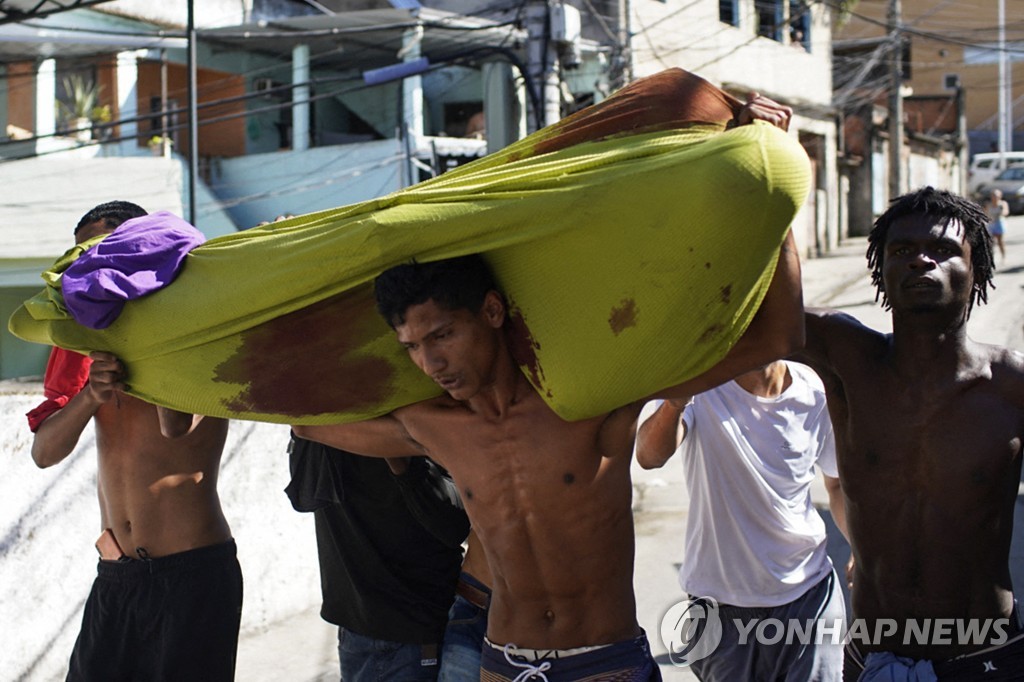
{"x":139,"y":257}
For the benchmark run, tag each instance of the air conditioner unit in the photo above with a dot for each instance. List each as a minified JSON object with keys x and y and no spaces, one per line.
{"x":566,"y":24}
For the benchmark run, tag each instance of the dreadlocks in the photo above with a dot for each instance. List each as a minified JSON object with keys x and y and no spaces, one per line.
{"x":940,"y":204}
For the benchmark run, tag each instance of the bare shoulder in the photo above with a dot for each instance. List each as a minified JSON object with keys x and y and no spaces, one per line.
{"x":829,"y":321}
{"x":433,"y":423}
{"x":618,"y":430}
{"x":427,"y":410}
{"x":835,"y":339}
{"x":1007,"y":367}
{"x":626,"y":414}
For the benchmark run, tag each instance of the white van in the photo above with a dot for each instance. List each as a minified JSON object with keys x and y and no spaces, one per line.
{"x":985,"y":167}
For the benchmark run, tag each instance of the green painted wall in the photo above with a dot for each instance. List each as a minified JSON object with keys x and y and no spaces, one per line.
{"x":18,"y":358}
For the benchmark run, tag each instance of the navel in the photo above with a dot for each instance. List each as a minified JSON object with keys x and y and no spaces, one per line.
{"x":549,"y":616}
{"x":469,"y":494}
{"x":569,"y":478}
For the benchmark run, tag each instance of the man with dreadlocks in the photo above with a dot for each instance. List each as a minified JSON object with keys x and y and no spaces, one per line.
{"x":928,"y":427}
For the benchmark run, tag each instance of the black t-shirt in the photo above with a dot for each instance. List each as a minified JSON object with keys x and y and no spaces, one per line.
{"x":382,"y":573}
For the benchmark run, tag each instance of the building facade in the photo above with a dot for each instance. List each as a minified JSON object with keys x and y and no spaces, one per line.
{"x":778,"y":48}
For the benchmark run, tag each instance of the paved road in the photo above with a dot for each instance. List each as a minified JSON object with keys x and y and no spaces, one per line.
{"x":302,"y":648}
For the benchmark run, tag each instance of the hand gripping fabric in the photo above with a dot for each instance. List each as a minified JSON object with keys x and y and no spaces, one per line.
{"x":634,"y":241}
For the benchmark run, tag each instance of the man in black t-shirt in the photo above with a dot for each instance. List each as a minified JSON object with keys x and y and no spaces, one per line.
{"x":389,"y":538}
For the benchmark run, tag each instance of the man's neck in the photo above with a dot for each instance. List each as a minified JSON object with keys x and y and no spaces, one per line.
{"x":508,"y":387}
{"x":931,"y":340}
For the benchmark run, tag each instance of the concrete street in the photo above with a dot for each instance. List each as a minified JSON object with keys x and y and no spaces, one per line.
{"x":303,"y":648}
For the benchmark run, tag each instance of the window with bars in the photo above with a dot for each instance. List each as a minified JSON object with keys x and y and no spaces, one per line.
{"x":771,"y":18}
{"x":800,"y":24}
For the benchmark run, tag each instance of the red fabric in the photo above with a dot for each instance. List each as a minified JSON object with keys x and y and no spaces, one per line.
{"x":66,"y":373}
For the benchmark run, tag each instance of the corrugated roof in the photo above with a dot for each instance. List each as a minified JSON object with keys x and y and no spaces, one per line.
{"x":12,"y":11}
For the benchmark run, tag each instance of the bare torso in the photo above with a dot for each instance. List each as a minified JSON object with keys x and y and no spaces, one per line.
{"x":550,"y":502}
{"x":930,"y":464}
{"x":157,"y":493}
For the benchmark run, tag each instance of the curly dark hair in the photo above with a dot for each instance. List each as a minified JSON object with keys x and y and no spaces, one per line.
{"x":112,"y":213}
{"x":454,"y":284}
{"x":940,"y":204}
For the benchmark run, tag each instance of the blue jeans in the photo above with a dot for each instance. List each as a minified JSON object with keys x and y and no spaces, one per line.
{"x":364,"y":659}
{"x":463,"y":640}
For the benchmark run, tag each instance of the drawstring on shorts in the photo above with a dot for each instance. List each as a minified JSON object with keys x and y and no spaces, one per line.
{"x":531,"y":671}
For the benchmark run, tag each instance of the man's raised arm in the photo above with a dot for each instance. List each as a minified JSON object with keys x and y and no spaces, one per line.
{"x":175,"y":424}
{"x":57,"y":434}
{"x":831,"y":336}
{"x":777,"y":330}
{"x":381,"y":437}
{"x":660,"y":435}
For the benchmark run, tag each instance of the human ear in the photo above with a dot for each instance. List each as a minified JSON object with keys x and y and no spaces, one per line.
{"x":493,"y":309}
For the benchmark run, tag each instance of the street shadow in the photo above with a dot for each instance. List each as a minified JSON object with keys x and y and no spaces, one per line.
{"x":1016,"y":269}
{"x":46,"y":649}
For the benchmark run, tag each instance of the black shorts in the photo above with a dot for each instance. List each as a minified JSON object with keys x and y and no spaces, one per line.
{"x":167,"y":619}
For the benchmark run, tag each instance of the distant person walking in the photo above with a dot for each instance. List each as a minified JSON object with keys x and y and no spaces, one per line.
{"x":997,"y":209}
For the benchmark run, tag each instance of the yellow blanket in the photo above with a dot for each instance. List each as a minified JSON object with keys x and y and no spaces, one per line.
{"x":634,"y":240}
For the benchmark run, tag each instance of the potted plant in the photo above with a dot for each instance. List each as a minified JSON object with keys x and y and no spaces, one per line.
{"x":101,"y":114}
{"x":82,"y":96}
{"x":160,"y":145}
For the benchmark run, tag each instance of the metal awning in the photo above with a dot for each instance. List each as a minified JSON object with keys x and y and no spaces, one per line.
{"x":84,"y":34}
{"x":12,"y":11}
{"x":362,"y":39}
{"x":369,"y":38}
{"x":20,"y":42}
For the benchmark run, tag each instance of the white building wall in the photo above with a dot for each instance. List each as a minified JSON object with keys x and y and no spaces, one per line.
{"x":208,"y":13}
{"x":690,"y":35}
{"x":926,"y":170}
{"x":824,"y":228}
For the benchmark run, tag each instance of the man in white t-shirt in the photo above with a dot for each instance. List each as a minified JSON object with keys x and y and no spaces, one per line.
{"x":754,"y":542}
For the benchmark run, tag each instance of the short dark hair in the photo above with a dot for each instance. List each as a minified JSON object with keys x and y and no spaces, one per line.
{"x":454,"y":284}
{"x":940,"y":204}
{"x":112,"y":213}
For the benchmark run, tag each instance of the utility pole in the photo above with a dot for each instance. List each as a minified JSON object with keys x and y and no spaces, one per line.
{"x":193,"y":115}
{"x":962,"y":143}
{"x":622,"y":71}
{"x":542,"y":64}
{"x":1005,"y":127}
{"x":895,"y":21}
{"x":165,"y":135}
